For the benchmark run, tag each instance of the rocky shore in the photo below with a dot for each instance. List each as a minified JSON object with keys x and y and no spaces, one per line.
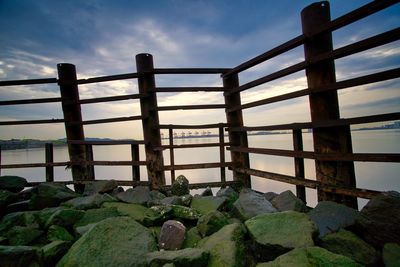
{"x":51,"y":225}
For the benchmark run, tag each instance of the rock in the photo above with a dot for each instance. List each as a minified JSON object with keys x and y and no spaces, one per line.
{"x":54,"y":251}
{"x":207,"y":192}
{"x":185,"y":213}
{"x":230,"y":194}
{"x":12,"y":183}
{"x":282,"y":231}
{"x":310,"y":257}
{"x":81,"y":230}
{"x":288,"y":201}
{"x":55,"y":233}
{"x":89,"y":202}
{"x":23,"y":235}
{"x":192,"y":257}
{"x":100,"y":186}
{"x":172,"y":235}
{"x":64,"y":217}
{"x":186,"y":200}
{"x":207,"y":204}
{"x":138,"y":195}
{"x":270,"y":196}
{"x":116,"y":191}
{"x":211,"y":223}
{"x":330,"y":217}
{"x":192,"y":238}
{"x":6,"y":198}
{"x":42,"y":216}
{"x":379,"y":221}
{"x":172,"y":200}
{"x":156,"y":198}
{"x":391,"y":255}
{"x":19,"y":256}
{"x":50,"y":195}
{"x":155,"y":231}
{"x":250,"y":204}
{"x":226,"y":246}
{"x":143,"y":215}
{"x":118,"y":241}
{"x":18,"y":206}
{"x":180,"y":186}
{"x":26,"y":218}
{"x":348,"y":244}
{"x":96,"y":215}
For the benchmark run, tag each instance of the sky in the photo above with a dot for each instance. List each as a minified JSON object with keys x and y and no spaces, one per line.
{"x":102,"y":38}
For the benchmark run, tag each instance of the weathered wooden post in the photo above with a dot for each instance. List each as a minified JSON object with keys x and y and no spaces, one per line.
{"x":235,"y":119}
{"x":135,"y":157}
{"x":150,"y":120}
{"x":171,"y":154}
{"x":49,"y":159}
{"x":73,"y":121}
{"x":324,"y":106}
{"x":299,"y":164}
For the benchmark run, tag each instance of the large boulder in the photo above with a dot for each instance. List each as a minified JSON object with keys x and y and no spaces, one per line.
{"x":330,"y":217}
{"x":119,"y":241}
{"x":23,"y":235}
{"x":26,"y":218}
{"x":64,"y":217}
{"x":12,"y":183}
{"x":192,"y":238}
{"x":59,"y":233}
{"x":50,"y":195}
{"x":280,"y":232}
{"x":226,"y":246}
{"x":180,"y":186}
{"x":19,"y":256}
{"x":211,"y":223}
{"x":172,"y":235}
{"x":391,"y":255}
{"x":250,"y":204}
{"x":145,"y":216}
{"x":230,"y":194}
{"x":96,"y":215}
{"x":53,"y":252}
{"x":288,"y":201}
{"x":89,"y":202}
{"x":100,"y":186}
{"x":310,"y":257}
{"x":379,"y":221}
{"x":138,"y":195}
{"x":350,"y":245}
{"x":207,"y":204}
{"x":192,"y":257}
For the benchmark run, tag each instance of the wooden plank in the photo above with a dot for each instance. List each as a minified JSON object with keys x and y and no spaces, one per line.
{"x":189,"y":89}
{"x":32,"y":122}
{"x":109,"y":120}
{"x":108,"y":142}
{"x":108,"y":78}
{"x":197,"y":126}
{"x":190,"y":70}
{"x":192,"y":145}
{"x":119,"y":182}
{"x":111,"y":98}
{"x":30,"y":101}
{"x":222,"y":153}
{"x":28,"y":82}
{"x":35,"y":165}
{"x":189,"y":107}
{"x":299,"y":164}
{"x":135,"y":157}
{"x":49,"y":157}
{"x":197,"y":166}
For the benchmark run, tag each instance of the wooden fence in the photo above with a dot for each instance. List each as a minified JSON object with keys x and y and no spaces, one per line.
{"x":333,"y":155}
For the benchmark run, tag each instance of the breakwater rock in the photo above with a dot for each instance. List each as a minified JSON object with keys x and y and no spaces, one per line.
{"x":51,"y":225}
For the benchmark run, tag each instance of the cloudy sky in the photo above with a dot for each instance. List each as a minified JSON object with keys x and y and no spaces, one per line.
{"x":102,"y":37}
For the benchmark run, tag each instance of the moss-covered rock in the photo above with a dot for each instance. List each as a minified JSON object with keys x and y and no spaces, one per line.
{"x":12,"y":183}
{"x":25,"y":218}
{"x":230,"y":194}
{"x":211,"y":223}
{"x":118,"y":241}
{"x":192,"y":238}
{"x":96,"y":215}
{"x":100,"y":186}
{"x":180,"y":186}
{"x":54,"y":251}
{"x":250,"y":204}
{"x":192,"y":257}
{"x":64,"y":217}
{"x":207,"y":204}
{"x":50,"y":195}
{"x":89,"y":202}
{"x":288,"y":201}
{"x":56,"y":232}
{"x":23,"y":235}
{"x":181,"y":212}
{"x":391,"y":255}
{"x":19,"y":256}
{"x":145,"y":216}
{"x":138,"y":195}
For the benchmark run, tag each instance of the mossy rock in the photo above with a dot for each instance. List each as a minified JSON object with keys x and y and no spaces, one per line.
{"x":12,"y":183}
{"x":55,"y":233}
{"x":145,"y":216}
{"x":180,"y":186}
{"x":20,"y":256}
{"x":97,"y":215}
{"x":23,"y":235}
{"x":207,"y":204}
{"x":211,"y":223}
{"x":192,"y":257}
{"x":54,"y":251}
{"x":192,"y":238}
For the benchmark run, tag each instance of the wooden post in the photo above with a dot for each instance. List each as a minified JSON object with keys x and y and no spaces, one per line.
{"x":135,"y":157}
{"x":90,"y":157}
{"x":299,"y":164}
{"x":73,"y":121}
{"x":235,"y":119}
{"x":324,"y":106}
{"x":49,"y":159}
{"x":171,"y":154}
{"x":150,"y":121}
{"x":0,"y":159}
{"x":222,"y":152}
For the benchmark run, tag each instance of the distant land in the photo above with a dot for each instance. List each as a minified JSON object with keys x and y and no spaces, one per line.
{"x":34,"y":143}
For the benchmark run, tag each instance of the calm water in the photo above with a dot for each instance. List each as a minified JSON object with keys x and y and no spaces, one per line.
{"x":370,"y":175}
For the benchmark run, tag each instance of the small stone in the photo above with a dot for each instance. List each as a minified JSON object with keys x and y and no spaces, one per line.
{"x":207,"y":192}
{"x":100,"y":186}
{"x":288,"y":201}
{"x":180,"y":186}
{"x":12,"y":183}
{"x":138,"y":195}
{"x":172,"y":235}
{"x":172,"y":200}
{"x":391,"y":255}
{"x":211,"y":223}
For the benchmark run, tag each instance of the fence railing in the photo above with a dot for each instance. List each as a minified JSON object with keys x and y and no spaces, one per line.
{"x":333,"y":155}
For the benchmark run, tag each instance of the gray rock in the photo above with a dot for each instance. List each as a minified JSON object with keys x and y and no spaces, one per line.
{"x":230,"y":194}
{"x":250,"y":204}
{"x":207,"y":192}
{"x":156,"y":198}
{"x":118,"y":241}
{"x":186,"y":200}
{"x":192,"y":257}
{"x":348,"y":244}
{"x":211,"y":223}
{"x":207,"y":204}
{"x":180,"y":186}
{"x":50,"y":195}
{"x":172,"y":200}
{"x":53,"y":252}
{"x":391,"y":255}
{"x":89,"y":202}
{"x":270,"y":196}
{"x":288,"y":201}
{"x":12,"y":183}
{"x":379,"y":221}
{"x":330,"y":217}
{"x":172,"y":235}
{"x":19,"y":256}
{"x":100,"y":186}
{"x":138,"y":195}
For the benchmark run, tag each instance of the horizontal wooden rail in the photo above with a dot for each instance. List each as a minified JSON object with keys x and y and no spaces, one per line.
{"x":30,"y":101}
{"x":31,"y":122}
{"x":110,"y":98}
{"x":191,"y":146}
{"x":362,"y":193}
{"x":119,"y":182}
{"x":233,"y":184}
{"x":34,"y":165}
{"x":188,"y":107}
{"x":367,"y":79}
{"x":330,"y":123}
{"x":372,"y":157}
{"x":107,"y":142}
{"x":198,"y":126}
{"x":189,"y":89}
{"x":69,"y":163}
{"x":107,"y":78}
{"x":110,"y":120}
{"x":28,"y":82}
{"x":197,"y":166}
{"x":114,"y":163}
{"x":190,"y":70}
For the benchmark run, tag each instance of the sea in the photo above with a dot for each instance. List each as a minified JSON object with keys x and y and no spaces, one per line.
{"x":380,"y":176}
